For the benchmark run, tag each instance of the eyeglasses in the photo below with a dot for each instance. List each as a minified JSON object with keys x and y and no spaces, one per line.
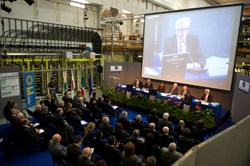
{"x":182,"y":29}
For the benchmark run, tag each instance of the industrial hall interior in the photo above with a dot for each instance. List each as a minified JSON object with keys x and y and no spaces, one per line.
{"x":124,"y":82}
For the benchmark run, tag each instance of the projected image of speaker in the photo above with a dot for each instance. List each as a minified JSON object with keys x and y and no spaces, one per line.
{"x":181,"y":46}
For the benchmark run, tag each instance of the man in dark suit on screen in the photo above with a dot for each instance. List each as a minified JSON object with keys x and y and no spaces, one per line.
{"x":184,"y":42}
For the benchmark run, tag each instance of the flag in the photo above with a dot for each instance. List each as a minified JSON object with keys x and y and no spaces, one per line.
{"x":72,"y":83}
{"x":82,"y":84}
{"x":90,"y":85}
{"x":65,"y":84}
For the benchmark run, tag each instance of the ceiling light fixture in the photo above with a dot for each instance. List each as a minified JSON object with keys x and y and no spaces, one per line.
{"x":77,"y":5}
{"x":81,"y":1}
{"x":126,"y":11}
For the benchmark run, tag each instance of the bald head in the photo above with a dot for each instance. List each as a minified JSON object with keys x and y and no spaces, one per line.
{"x":172,"y":147}
{"x":56,"y":138}
{"x":86,"y":152}
{"x":151,"y":125}
{"x":165,"y":130}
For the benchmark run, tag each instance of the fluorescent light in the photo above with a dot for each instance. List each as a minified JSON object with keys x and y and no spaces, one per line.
{"x":77,"y":4}
{"x":125,"y":11}
{"x":80,"y":1}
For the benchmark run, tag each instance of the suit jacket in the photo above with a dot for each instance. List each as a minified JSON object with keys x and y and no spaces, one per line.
{"x":209,"y":98}
{"x":182,"y":92}
{"x":193,"y":47}
{"x":148,"y":86}
{"x":170,"y":157}
{"x":112,"y":155}
{"x":138,"y":145}
{"x":84,"y":161}
{"x":173,"y":91}
{"x":165,"y":140}
{"x":198,"y":133}
{"x":161,"y":89}
{"x":73,"y":151}
{"x":164,"y":122}
{"x":127,"y":125}
{"x":140,"y":85}
{"x":56,"y":149}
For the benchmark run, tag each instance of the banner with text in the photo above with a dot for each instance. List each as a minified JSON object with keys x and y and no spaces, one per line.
{"x":29,"y":89}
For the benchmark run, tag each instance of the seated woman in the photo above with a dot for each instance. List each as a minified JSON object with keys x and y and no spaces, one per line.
{"x":161,"y":88}
{"x":129,"y":158}
{"x":89,"y":134}
{"x":178,"y":130}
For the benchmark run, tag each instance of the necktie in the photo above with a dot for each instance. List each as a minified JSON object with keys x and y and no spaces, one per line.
{"x":181,"y":47}
{"x":206,"y":97}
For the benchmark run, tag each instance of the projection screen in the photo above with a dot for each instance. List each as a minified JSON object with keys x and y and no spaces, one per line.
{"x":195,"y":46}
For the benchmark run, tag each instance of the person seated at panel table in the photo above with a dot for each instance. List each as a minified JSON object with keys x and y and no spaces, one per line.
{"x":148,"y":85}
{"x":174,"y":89}
{"x":137,"y":83}
{"x":207,"y":96}
{"x":161,"y":87}
{"x":184,"y":92}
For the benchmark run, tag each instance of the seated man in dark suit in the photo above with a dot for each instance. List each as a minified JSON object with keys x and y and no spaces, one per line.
{"x":85,"y":158}
{"x":105,"y":127}
{"x":137,"y":83}
{"x":165,"y":122}
{"x":125,"y":122}
{"x":169,"y":155}
{"x":185,"y":141}
{"x":148,"y":85}
{"x":153,"y":118}
{"x":165,"y":139}
{"x":66,"y":98}
{"x":161,"y":88}
{"x":207,"y":96}
{"x":137,"y":123}
{"x":63,"y":127}
{"x":96,"y":111}
{"x":138,"y":142}
{"x":150,"y":129}
{"x":174,"y":90}
{"x":55,"y":148}
{"x":112,"y":154}
{"x":185,"y":91}
{"x":74,"y":150}
{"x":99,"y":143}
{"x":38,"y":114}
{"x":198,"y":131}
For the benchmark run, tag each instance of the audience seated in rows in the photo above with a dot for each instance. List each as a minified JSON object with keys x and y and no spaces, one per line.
{"x":124,"y":141}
